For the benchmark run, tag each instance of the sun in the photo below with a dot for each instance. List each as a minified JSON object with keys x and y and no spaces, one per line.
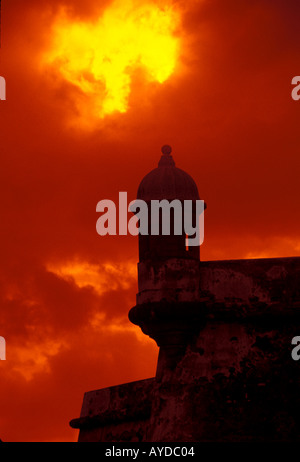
{"x":100,"y":57}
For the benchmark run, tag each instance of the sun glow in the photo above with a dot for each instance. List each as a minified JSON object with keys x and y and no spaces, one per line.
{"x":101,"y":57}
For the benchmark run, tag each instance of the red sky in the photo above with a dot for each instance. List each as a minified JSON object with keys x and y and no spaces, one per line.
{"x":227,"y":111}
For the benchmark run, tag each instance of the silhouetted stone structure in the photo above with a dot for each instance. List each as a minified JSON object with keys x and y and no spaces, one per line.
{"x":224,"y":328}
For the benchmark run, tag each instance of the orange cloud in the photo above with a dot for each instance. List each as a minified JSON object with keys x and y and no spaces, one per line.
{"x":103,"y":277}
{"x":100,"y":57}
{"x":33,"y":357}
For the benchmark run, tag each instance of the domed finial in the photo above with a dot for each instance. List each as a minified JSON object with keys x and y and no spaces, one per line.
{"x":166,"y":150}
{"x":166,"y":159}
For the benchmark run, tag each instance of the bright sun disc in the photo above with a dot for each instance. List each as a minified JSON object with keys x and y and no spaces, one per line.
{"x":100,"y":57}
